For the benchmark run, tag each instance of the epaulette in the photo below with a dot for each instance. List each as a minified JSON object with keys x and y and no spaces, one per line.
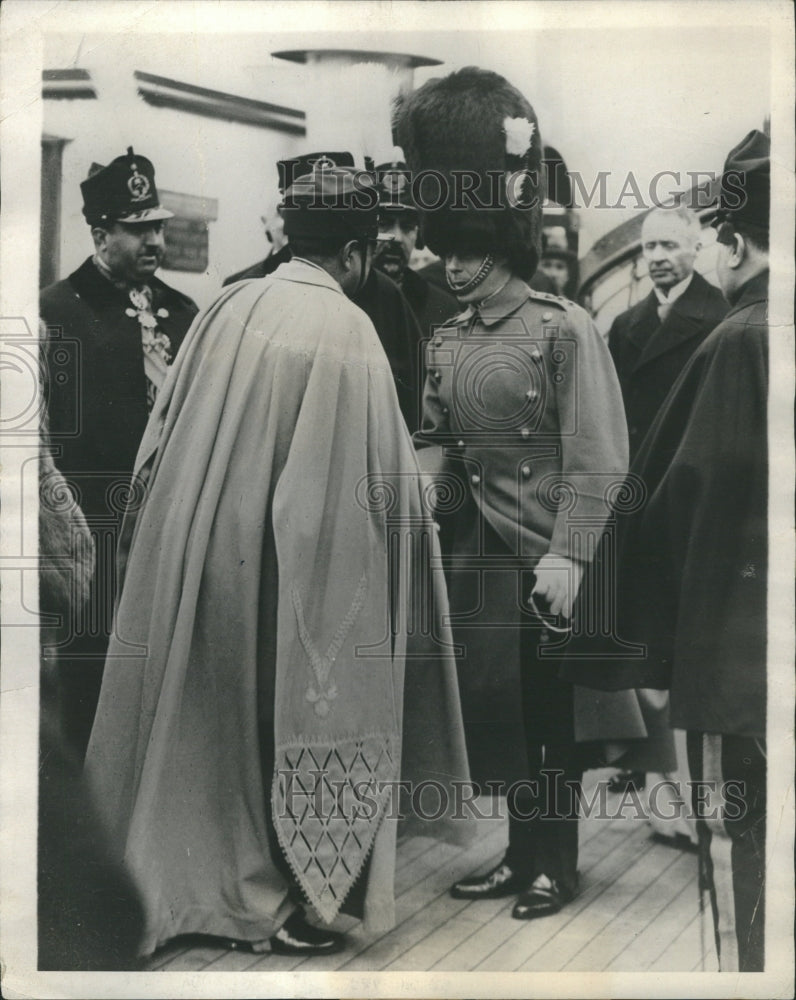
{"x":556,"y":300}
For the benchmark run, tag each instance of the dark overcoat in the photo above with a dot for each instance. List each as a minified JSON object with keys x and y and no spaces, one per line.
{"x":649,"y":355}
{"x":431,"y":304}
{"x":97,"y":400}
{"x":692,"y":569}
{"x":96,"y":386}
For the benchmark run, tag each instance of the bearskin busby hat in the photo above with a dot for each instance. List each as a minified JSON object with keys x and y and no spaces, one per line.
{"x":473,"y":145}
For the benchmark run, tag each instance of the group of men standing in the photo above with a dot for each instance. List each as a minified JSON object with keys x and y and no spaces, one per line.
{"x":276,"y":537}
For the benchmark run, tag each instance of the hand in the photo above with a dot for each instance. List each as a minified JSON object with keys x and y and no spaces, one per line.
{"x":557,"y":581}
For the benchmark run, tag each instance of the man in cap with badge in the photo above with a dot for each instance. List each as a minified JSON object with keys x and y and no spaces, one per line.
{"x":524,"y":431}
{"x":113,"y":329}
{"x":269,"y":579}
{"x":398,"y":218}
{"x":379,"y":297}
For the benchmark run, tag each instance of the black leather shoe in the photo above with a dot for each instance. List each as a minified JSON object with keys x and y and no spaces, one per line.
{"x":545,"y":897}
{"x":500,"y":881}
{"x":626,"y":780}
{"x":297,"y":937}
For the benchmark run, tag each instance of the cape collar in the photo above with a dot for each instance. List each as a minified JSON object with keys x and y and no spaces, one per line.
{"x":304,"y":272}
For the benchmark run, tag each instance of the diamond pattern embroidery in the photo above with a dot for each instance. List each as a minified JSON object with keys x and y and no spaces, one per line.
{"x":328,"y":805}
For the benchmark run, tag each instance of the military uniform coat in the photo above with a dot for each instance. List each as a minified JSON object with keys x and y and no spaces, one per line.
{"x":650,"y":354}
{"x":525,"y":433}
{"x":693,"y":561}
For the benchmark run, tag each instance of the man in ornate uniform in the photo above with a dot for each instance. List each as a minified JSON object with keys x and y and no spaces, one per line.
{"x":113,"y":329}
{"x":379,"y":297}
{"x":265,"y":688}
{"x":523,"y":428}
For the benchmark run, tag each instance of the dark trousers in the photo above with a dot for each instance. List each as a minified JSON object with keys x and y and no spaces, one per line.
{"x":543,"y":815}
{"x":732,"y":842}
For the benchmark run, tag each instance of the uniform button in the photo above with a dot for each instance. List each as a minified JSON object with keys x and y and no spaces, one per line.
{"x":438,"y":376}
{"x":525,"y":432}
{"x":475,"y":480}
{"x":530,"y":394}
{"x":526,"y":471}
{"x":460,"y":444}
{"x":438,"y":341}
{"x":445,"y":410}
{"x":546,"y":316}
{"x":545,"y":636}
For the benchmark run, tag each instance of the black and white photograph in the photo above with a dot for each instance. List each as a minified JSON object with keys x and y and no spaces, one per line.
{"x":397,"y":498}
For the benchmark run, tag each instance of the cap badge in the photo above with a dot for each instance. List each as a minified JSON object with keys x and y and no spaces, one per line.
{"x":138,"y":185}
{"x":324,"y":163}
{"x":519,"y":132}
{"x":395,"y":181}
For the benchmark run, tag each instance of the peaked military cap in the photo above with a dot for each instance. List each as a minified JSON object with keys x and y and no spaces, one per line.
{"x":124,"y":191}
{"x":332,"y":202}
{"x":299,"y":166}
{"x":395,"y":184}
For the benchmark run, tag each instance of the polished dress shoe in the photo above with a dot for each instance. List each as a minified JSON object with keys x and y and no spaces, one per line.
{"x":545,"y":897}
{"x":500,"y":881}
{"x":297,"y":937}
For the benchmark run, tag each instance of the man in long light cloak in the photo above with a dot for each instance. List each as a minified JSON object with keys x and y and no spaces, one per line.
{"x":272,"y":672}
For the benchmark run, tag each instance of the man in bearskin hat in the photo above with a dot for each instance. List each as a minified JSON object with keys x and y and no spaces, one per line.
{"x":113,"y":330}
{"x":379,"y":297}
{"x":524,"y":430}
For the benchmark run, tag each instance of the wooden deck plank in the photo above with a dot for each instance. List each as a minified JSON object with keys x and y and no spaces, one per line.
{"x":410,"y":924}
{"x":466,"y":925}
{"x":561,"y":948}
{"x":610,"y":895}
{"x":671,"y":907}
{"x":636,"y":905}
{"x":627,"y":840}
{"x":683,"y":952}
{"x":630,"y":897}
{"x":194,"y":958}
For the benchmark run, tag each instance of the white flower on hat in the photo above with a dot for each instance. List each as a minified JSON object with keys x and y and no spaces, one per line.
{"x":519,"y":132}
